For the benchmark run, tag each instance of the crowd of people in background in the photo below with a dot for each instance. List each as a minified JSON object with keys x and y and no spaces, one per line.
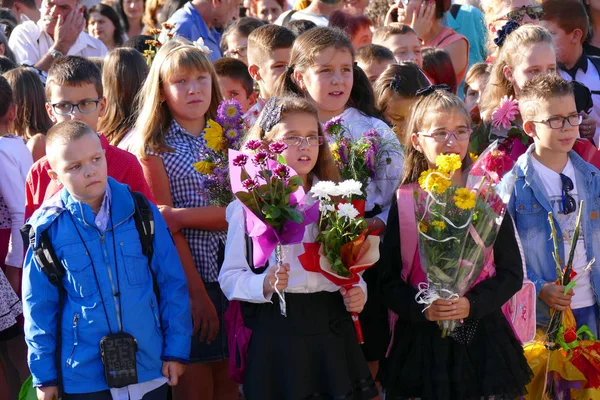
{"x":100,"y":98}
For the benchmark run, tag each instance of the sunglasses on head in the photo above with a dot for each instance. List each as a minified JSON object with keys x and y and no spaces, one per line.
{"x":568,"y":202}
{"x":534,"y":12}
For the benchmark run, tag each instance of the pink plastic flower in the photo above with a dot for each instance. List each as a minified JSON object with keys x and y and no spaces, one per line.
{"x":506,"y":112}
{"x":282,"y":171}
{"x":277,"y":147}
{"x":249,"y":184}
{"x":240,"y":160}
{"x":254,"y":145}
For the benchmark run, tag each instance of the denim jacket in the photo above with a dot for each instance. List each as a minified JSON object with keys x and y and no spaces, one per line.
{"x":529,"y":207}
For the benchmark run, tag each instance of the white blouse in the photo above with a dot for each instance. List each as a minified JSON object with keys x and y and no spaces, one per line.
{"x":15,"y":161}
{"x":380,"y":190}
{"x":238,"y":282}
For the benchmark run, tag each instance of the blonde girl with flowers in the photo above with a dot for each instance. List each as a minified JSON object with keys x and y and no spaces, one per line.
{"x":179,"y":97}
{"x":312,"y":352}
{"x":483,"y":359}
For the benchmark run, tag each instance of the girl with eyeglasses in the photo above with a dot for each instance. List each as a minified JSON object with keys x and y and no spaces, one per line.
{"x":489,"y":363}
{"x":313,"y":352}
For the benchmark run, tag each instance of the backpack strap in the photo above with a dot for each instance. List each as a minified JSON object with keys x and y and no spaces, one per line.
{"x":44,"y":255}
{"x":144,"y":223}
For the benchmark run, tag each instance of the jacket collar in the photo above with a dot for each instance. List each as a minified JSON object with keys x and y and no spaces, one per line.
{"x":581,"y":64}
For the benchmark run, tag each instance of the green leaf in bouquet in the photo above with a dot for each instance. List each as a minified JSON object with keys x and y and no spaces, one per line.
{"x":281,"y":159}
{"x":271,"y":212}
{"x":438,"y":275}
{"x":293,"y":184}
{"x":249,"y":201}
{"x":243,"y":175}
{"x":293,"y":214}
{"x":338,"y":267}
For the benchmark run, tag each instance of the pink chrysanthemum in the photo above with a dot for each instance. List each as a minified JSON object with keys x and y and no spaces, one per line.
{"x":505,"y":114}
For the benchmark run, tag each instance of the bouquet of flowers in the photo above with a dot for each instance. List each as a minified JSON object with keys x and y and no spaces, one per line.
{"x":155,"y":44}
{"x":344,"y":246}
{"x":503,"y":126}
{"x":273,"y":198}
{"x":220,"y":136}
{"x":565,"y":363}
{"x":457,"y":226}
{"x":356,"y":159}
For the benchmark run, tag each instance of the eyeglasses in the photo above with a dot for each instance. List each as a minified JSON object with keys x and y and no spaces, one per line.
{"x":559,"y":122}
{"x":534,"y":12}
{"x":568,"y":202}
{"x":84,"y":107}
{"x":443,"y":135}
{"x":239,"y":52}
{"x":298,"y":140}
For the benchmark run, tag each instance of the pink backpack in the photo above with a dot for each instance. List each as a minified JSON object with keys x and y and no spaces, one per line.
{"x":519,"y":310}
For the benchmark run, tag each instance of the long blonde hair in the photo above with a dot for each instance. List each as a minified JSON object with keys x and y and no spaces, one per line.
{"x":510,"y":55}
{"x":154,"y":114}
{"x":438,"y":101}
{"x":325,"y":168}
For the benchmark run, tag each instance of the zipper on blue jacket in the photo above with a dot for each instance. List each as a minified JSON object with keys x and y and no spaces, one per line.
{"x":112,"y":283}
{"x":155,"y":315}
{"x":75,"y":340}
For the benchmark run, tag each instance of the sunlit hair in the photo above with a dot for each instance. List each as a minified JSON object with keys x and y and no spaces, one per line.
{"x":540,"y":89}
{"x":154,"y":116}
{"x":28,"y":93}
{"x":478,"y":70}
{"x":439,"y":101}
{"x":123,"y":75}
{"x":325,"y":168}
{"x":510,"y":55}
{"x":437,"y":65}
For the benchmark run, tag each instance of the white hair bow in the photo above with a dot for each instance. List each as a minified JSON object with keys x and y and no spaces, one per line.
{"x":199,"y":44}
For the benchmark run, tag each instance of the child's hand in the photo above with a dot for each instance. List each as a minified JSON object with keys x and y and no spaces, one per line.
{"x":172,"y":370}
{"x":170,"y":216}
{"x":354,"y":299}
{"x":272,"y":276}
{"x":554,"y":296}
{"x":47,"y":393}
{"x":447,"y":310}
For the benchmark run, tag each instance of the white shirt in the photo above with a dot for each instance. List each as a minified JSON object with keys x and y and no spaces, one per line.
{"x":584,"y":294}
{"x":319,"y":19}
{"x":30,"y":43}
{"x":15,"y":161}
{"x":238,"y":282}
{"x":381,"y":190}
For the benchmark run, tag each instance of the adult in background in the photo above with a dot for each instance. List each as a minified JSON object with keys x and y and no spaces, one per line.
{"x":132,"y":14}
{"x":201,"y":19}
{"x":59,"y":32}
{"x":318,"y":12}
{"x":103,"y":23}
{"x":25,"y":10}
{"x":592,"y":44}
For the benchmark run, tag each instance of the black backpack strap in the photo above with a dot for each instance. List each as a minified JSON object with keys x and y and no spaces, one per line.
{"x":144,"y":223}
{"x":287,"y":18}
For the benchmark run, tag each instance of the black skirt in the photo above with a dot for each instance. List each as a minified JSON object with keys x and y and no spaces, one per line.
{"x":310,"y":354}
{"x":424,"y":365}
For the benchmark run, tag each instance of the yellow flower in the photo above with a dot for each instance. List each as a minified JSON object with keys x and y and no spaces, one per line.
{"x":464,"y":198}
{"x":438,"y":225}
{"x":434,"y":181}
{"x":448,"y":162}
{"x":473,"y":157}
{"x":204,"y":167}
{"x":334,"y":148}
{"x":422,"y":227}
{"x":213,"y":135}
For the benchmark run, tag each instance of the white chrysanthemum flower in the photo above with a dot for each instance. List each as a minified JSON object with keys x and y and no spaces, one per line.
{"x":347,"y":210}
{"x":326,"y":208}
{"x":350,"y":187}
{"x":324,"y":190}
{"x":199,"y":44}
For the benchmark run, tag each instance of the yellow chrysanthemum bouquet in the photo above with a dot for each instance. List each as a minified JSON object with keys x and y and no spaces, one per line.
{"x":457,"y":225}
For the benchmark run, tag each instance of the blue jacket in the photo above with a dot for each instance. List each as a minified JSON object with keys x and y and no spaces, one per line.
{"x":529,"y":207}
{"x":163,"y":331}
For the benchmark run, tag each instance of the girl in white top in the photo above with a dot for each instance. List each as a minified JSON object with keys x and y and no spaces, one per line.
{"x":313,"y":352}
{"x":15,"y":161}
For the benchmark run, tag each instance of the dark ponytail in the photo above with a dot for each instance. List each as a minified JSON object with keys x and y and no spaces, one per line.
{"x":286,"y":84}
{"x":362,"y":97}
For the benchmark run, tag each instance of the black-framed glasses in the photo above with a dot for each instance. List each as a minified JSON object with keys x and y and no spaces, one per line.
{"x":568,"y":202}
{"x":559,"y":122}
{"x":298,"y":140}
{"x":238,"y":52}
{"x":534,"y":12}
{"x":84,"y":107}
{"x":443,"y":135}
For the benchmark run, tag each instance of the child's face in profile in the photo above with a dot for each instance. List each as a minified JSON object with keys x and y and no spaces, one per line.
{"x":549,"y":141}
{"x":405,"y":48}
{"x":188,"y":94}
{"x":81,"y":167}
{"x":437,"y":123}
{"x":474,"y":90}
{"x":565,"y":43}
{"x":292,"y":128}
{"x":539,"y":58}
{"x":272,"y":68}
{"x":233,"y":89}
{"x":91,"y":105}
{"x":397,"y":112}
{"x":375,"y":68}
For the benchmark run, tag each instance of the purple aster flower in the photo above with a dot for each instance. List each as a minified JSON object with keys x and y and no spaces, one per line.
{"x":254,"y":145}
{"x":260,"y":158}
{"x":282,"y":171}
{"x":229,"y":112}
{"x":333,"y":126}
{"x":240,"y":160}
{"x":249,"y":184}
{"x":343,"y":151}
{"x":370,"y":162}
{"x":277,"y":147}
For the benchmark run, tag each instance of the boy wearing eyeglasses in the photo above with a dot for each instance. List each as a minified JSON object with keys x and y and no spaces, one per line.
{"x":74,"y":92}
{"x":551,"y":177}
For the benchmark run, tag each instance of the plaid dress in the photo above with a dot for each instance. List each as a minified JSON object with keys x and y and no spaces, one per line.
{"x":185,"y":191}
